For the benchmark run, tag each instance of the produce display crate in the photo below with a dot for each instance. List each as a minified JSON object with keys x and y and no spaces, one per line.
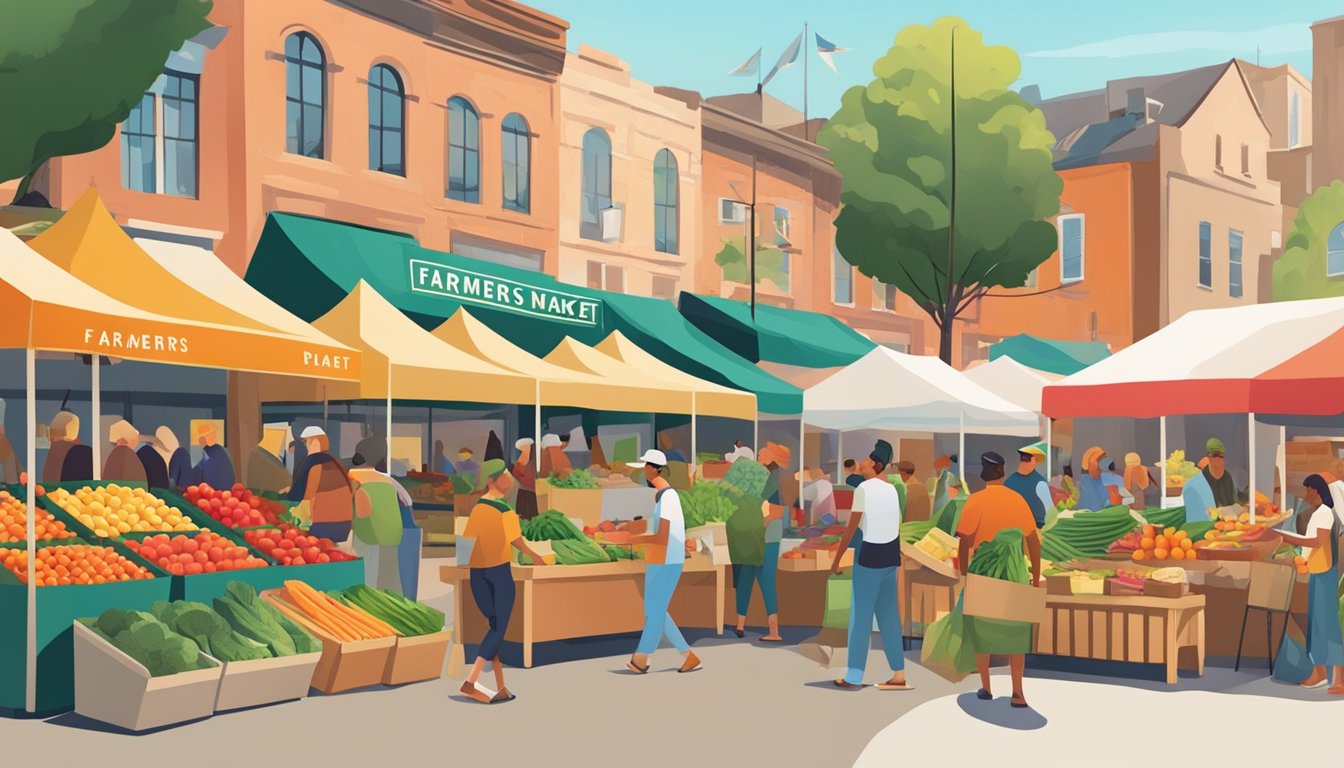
{"x":581,"y":503}
{"x":58,"y":608}
{"x":188,"y":510}
{"x":116,"y":689}
{"x":259,"y":682}
{"x":416,"y":659}
{"x":320,"y":576}
{"x":343,"y":666}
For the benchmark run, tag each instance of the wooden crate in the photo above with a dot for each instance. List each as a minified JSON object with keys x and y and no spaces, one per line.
{"x":1143,"y":630}
{"x":925,"y":598}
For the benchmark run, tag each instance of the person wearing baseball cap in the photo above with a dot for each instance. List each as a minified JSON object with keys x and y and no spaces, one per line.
{"x":994,"y":510}
{"x":665,"y":554}
{"x":1030,"y":484}
{"x":917,"y":504}
{"x":877,"y":513}
{"x":496,"y":532}
{"x":525,"y":472}
{"x":1220,"y":480}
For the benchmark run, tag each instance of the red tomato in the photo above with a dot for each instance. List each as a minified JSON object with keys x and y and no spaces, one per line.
{"x":193,"y":569}
{"x":324,"y":558}
{"x":190,"y":545}
{"x":216,"y":504}
{"x":209,"y":567}
{"x":298,"y":561}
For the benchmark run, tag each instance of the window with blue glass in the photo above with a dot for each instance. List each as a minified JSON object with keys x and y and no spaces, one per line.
{"x":1334,"y":252}
{"x":137,"y":147}
{"x":1234,"y":288}
{"x":1205,"y":255}
{"x":305,"y":96}
{"x":596,"y":182}
{"x":464,"y":151}
{"x":180,"y":124}
{"x":1072,"y":248}
{"x":516,"y":154}
{"x":387,"y":119}
{"x":666,"y":216}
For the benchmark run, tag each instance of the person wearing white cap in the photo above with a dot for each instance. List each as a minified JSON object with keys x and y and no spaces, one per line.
{"x":525,"y":472}
{"x":327,"y":489}
{"x":665,"y":555}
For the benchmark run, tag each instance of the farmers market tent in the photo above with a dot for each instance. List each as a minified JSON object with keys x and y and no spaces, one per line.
{"x":710,"y":399}
{"x":1063,"y":358}
{"x":44,"y":307}
{"x":640,"y":391}
{"x":892,"y":390}
{"x":1012,"y":381}
{"x":777,"y":335}
{"x":309,"y":265}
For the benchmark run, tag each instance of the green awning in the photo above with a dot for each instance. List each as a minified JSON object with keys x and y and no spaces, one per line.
{"x":308,"y":265}
{"x":1050,"y":355}
{"x":778,"y":335}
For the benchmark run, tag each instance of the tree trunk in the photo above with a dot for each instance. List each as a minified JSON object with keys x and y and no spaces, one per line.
{"x":945,"y":340}
{"x":26,"y":183}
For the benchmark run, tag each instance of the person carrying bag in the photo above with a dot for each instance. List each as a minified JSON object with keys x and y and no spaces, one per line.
{"x":1325,"y":641}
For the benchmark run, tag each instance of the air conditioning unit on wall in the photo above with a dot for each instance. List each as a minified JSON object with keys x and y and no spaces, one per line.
{"x":612,"y":220}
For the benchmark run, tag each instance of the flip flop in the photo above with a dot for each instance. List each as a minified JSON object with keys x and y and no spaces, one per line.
{"x":1314,"y":686}
{"x":502,"y":697}
{"x":771,"y":639}
{"x":894,"y":687}
{"x":984,"y":695}
{"x":470,"y":692}
{"x":638,"y":670}
{"x":1019,"y":703}
{"x":739,"y":633}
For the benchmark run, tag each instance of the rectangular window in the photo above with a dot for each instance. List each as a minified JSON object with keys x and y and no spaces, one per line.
{"x":1294,"y":118}
{"x":180,"y":121}
{"x":1205,"y":255}
{"x":1071,"y":248}
{"x":886,"y":296}
{"x":137,"y":147}
{"x":1245,"y":160}
{"x":844,"y":278}
{"x":731,"y":211}
{"x":595,"y":275}
{"x":664,"y":288}
{"x":606,"y":277}
{"x":159,"y":140}
{"x":1234,"y":264}
{"x":1218,"y":152}
{"x":782,"y":222}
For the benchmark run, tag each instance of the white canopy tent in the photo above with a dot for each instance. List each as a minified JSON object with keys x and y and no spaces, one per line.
{"x":886,"y":389}
{"x":1020,"y":386}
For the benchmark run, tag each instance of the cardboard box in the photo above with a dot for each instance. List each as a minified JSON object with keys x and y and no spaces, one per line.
{"x":710,"y":533}
{"x":116,"y":689}
{"x":1005,"y":600}
{"x":715,"y":470}
{"x":343,"y":666}
{"x":793,"y":564}
{"x":925,"y":560}
{"x":1117,"y":588}
{"x":1153,"y":588}
{"x":265,"y":681}
{"x":415,"y":659}
{"x":585,"y":504}
{"x":1059,"y":584}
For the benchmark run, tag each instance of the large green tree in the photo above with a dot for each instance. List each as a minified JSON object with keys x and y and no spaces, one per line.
{"x":947,"y":179}
{"x":71,"y":70}
{"x":1304,"y":271}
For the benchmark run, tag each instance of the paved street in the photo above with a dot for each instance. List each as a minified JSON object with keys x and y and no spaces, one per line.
{"x":749,"y":705}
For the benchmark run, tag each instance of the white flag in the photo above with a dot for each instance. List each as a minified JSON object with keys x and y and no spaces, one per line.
{"x":750,"y":67}
{"x":825,"y":49}
{"x":786,"y":59}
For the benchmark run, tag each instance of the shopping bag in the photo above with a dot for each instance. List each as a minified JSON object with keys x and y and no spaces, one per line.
{"x":1292,"y":664}
{"x":839,"y":595}
{"x":947,"y":650}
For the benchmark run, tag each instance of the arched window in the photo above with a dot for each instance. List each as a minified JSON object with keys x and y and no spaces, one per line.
{"x":665,"y":200}
{"x":596,"y":182}
{"x":1334,"y":252}
{"x":516,"y":152}
{"x":464,"y":151}
{"x":387,"y":121}
{"x":305,"y":96}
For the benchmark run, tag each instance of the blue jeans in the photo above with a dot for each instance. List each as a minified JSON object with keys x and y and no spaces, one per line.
{"x":874,"y":594}
{"x":493,"y":590}
{"x":1325,"y":644}
{"x":660,"y":581}
{"x":765,"y":573}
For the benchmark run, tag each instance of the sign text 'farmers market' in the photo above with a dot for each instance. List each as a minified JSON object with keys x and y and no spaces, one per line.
{"x":501,"y":293}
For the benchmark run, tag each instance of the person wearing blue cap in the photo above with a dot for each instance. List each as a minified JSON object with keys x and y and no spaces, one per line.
{"x":1030,"y":484}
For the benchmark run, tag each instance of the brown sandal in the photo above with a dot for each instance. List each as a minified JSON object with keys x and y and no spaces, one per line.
{"x":691,"y":663}
{"x":470,"y":691}
{"x":638,"y":670}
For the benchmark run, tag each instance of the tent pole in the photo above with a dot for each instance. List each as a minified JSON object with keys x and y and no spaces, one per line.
{"x":97,"y":427}
{"x":324,"y":406}
{"x":756,"y":434}
{"x":1283,"y":469}
{"x":389,"y":420}
{"x":961,"y":453}
{"x":839,"y":456}
{"x":1049,"y":426}
{"x":694,"y":436}
{"x":30,"y":407}
{"x":536,"y":433}
{"x":1250,"y":449}
{"x":802,"y":471}
{"x":1162,"y":449}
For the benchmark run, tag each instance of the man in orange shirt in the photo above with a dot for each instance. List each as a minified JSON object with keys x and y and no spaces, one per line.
{"x":495,"y":528}
{"x":987,"y":512}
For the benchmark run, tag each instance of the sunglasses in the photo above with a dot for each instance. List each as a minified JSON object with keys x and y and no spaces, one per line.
{"x":1215,"y":455}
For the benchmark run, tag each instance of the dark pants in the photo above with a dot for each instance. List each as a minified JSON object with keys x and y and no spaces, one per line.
{"x":337,"y":532}
{"x":493,"y":590}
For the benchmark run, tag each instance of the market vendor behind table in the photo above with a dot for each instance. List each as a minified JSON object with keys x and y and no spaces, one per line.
{"x":1212,"y":487}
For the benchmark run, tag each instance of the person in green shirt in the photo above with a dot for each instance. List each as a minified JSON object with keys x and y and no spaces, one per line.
{"x":754,"y":534}
{"x":1220,"y":480}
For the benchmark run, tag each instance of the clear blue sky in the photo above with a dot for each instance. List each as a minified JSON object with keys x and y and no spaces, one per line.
{"x":1065,"y":47}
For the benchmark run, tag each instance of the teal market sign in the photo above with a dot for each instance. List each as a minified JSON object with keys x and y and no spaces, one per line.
{"x":468,"y":287}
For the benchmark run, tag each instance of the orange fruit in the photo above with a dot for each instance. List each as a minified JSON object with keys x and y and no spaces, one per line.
{"x":1169,"y":532}
{"x":1160,"y":553}
{"x":1187,"y":544}
{"x":1161,"y":542}
{"x":1139,"y":554}
{"x":1149,"y":531}
{"x":1147,"y":542}
{"x":1178,"y":554}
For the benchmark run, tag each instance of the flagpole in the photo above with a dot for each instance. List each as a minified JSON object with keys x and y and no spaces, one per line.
{"x":751,"y":217}
{"x":807,"y":130}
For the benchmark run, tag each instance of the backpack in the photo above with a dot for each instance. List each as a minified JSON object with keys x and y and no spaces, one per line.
{"x":362,"y":505}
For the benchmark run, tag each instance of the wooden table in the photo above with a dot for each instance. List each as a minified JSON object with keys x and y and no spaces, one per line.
{"x":1145,"y":630}
{"x":562,"y":602}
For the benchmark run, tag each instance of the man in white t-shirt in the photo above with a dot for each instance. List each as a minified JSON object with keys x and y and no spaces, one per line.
{"x":876,"y":512}
{"x":665,"y":554}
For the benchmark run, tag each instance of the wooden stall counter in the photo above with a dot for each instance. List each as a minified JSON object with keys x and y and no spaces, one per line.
{"x":563,"y":602}
{"x":1144,"y":630}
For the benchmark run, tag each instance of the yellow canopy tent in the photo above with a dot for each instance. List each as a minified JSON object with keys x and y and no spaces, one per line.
{"x":711,"y":399}
{"x":640,"y":390}
{"x":44,"y":307}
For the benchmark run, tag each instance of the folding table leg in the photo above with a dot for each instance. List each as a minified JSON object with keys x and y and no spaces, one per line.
{"x":1241,"y":637}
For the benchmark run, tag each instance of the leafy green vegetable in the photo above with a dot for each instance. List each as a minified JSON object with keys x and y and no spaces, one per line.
{"x":259,"y":621}
{"x":463,"y":484}
{"x":914,"y":530}
{"x":1002,"y":557}
{"x":408,"y":617}
{"x":708,"y":502}
{"x":579,"y":479}
{"x":550,"y":526}
{"x":209,"y":630}
{"x":747,"y":476}
{"x":150,"y":642}
{"x":583,"y":552}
